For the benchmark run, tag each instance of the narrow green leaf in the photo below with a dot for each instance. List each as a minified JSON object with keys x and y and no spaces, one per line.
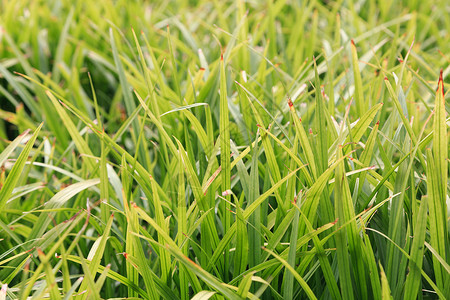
{"x":50,"y":276}
{"x":342,"y":199}
{"x":364,"y":122}
{"x":14,"y":174}
{"x":11,"y":147}
{"x":80,"y":143}
{"x":247,"y":212}
{"x":203,"y":295}
{"x":288,"y":291}
{"x":244,"y":286}
{"x":436,"y":219}
{"x":413,"y":281}
{"x":359,"y":97}
{"x":297,"y":276}
{"x":225,"y":156}
{"x":96,"y":255}
{"x":440,"y":154}
{"x":304,"y":142}
{"x":58,"y":200}
{"x":385,"y":291}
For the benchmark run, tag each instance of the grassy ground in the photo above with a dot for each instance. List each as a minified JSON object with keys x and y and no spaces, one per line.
{"x":224,"y":149}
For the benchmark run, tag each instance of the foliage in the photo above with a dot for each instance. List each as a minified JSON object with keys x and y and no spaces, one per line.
{"x":224,"y":149}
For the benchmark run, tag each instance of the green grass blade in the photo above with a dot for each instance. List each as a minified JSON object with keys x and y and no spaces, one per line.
{"x":440,"y":195}
{"x":50,"y":276}
{"x":300,"y":280}
{"x":95,"y":256}
{"x":58,"y":200}
{"x":342,"y":238}
{"x":385,"y":291}
{"x":413,"y":283}
{"x":288,"y":291}
{"x":225,"y":156}
{"x":80,"y":143}
{"x":11,"y":147}
{"x":14,"y":174}
{"x":359,"y":96}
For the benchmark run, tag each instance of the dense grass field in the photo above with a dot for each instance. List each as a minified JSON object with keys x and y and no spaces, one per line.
{"x":224,"y":149}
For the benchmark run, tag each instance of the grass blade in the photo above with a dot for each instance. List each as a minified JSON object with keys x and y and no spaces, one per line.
{"x":14,"y":174}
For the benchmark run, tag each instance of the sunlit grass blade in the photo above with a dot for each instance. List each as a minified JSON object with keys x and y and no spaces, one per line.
{"x":246,"y":214}
{"x":437,"y":222}
{"x":242,"y":243}
{"x":96,"y":254}
{"x":58,"y":200}
{"x":342,"y":205}
{"x":183,"y":242}
{"x":304,"y":142}
{"x":50,"y":276}
{"x":359,"y":97}
{"x":80,"y":143}
{"x":225,"y":157}
{"x":244,"y":286}
{"x":385,"y":291}
{"x":14,"y":174}
{"x":11,"y":147}
{"x":439,"y":199}
{"x":89,"y":281}
{"x":208,"y":230}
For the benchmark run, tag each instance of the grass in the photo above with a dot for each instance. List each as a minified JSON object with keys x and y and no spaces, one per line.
{"x":224,"y":149}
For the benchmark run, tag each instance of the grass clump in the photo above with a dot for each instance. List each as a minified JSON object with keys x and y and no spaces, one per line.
{"x":224,"y":150}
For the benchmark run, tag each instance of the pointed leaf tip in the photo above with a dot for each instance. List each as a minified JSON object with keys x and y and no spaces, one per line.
{"x":441,"y":82}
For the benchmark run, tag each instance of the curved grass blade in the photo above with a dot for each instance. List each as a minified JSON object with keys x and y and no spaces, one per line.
{"x":14,"y":174}
{"x":297,"y":276}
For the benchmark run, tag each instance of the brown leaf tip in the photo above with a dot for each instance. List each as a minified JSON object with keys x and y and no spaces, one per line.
{"x":290,"y":102}
{"x":441,"y":82}
{"x":353,"y":42}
